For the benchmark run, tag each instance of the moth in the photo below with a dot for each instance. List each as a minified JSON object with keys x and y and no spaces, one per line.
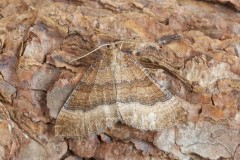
{"x":117,"y":88}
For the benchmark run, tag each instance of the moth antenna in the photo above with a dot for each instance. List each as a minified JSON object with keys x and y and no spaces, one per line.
{"x":106,"y":44}
{"x":90,"y":52}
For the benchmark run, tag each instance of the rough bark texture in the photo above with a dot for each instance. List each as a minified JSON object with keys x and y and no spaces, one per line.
{"x":201,"y":65}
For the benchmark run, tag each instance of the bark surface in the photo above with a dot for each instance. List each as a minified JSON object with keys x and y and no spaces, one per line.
{"x":191,"y":47}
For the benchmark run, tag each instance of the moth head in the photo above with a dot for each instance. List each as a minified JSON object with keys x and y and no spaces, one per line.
{"x":132,"y":52}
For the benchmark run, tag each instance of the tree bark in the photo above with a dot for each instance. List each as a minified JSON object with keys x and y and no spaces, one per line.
{"x":191,"y":47}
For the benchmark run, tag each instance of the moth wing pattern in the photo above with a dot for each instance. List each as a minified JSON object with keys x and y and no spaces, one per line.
{"x":117,"y":88}
{"x":91,"y":107}
{"x":143,"y":102}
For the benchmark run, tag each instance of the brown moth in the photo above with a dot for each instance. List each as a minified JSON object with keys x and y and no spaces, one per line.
{"x":117,"y":88}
